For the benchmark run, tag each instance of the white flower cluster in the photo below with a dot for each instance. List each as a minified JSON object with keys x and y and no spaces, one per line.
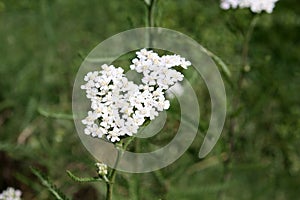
{"x":256,"y":6}
{"x":11,"y":194}
{"x":157,"y":70}
{"x":119,"y":106}
{"x":101,"y":169}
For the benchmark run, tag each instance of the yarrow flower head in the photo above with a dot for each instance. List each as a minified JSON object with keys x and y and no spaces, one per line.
{"x":119,"y":106}
{"x":11,"y":194}
{"x":256,"y":6}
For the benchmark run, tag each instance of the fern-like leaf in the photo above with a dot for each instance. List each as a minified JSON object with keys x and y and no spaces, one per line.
{"x":49,"y":185}
{"x":85,"y":179}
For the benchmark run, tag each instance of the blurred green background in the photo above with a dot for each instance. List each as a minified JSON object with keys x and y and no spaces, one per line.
{"x":42,"y":44}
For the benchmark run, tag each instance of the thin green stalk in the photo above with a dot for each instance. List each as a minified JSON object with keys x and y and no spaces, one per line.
{"x":245,"y":55}
{"x":109,"y":191}
{"x":220,"y":63}
{"x":233,"y":125}
{"x":111,"y":179}
{"x":247,"y":40}
{"x":150,"y":13}
{"x":149,"y":22}
{"x":149,"y":19}
{"x":112,"y":175}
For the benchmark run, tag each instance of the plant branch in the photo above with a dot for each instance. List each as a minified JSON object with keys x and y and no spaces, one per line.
{"x":245,"y":52}
{"x":83,"y":179}
{"x":111,"y":178}
{"x":149,"y":19}
{"x":112,"y":175}
{"x":150,"y":5}
{"x":233,"y":125}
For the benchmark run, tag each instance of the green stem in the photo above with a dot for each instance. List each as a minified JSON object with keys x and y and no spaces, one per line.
{"x":111,"y":178}
{"x":150,"y":13}
{"x":247,"y":40}
{"x":112,"y":175}
{"x":224,"y":68}
{"x":233,"y":125}
{"x":109,"y":191}
{"x":245,"y":54}
{"x":149,"y":21}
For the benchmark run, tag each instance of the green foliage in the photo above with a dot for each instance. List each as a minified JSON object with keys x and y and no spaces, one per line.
{"x":49,"y":185}
{"x":83,"y":180}
{"x":55,"y":115}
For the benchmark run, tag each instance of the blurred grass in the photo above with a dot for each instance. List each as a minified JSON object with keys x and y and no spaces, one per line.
{"x":41,"y":45}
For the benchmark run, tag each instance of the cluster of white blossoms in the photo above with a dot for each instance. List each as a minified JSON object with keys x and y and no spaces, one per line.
{"x":256,"y":6}
{"x":119,"y":106}
{"x":11,"y":194}
{"x":101,"y":169}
